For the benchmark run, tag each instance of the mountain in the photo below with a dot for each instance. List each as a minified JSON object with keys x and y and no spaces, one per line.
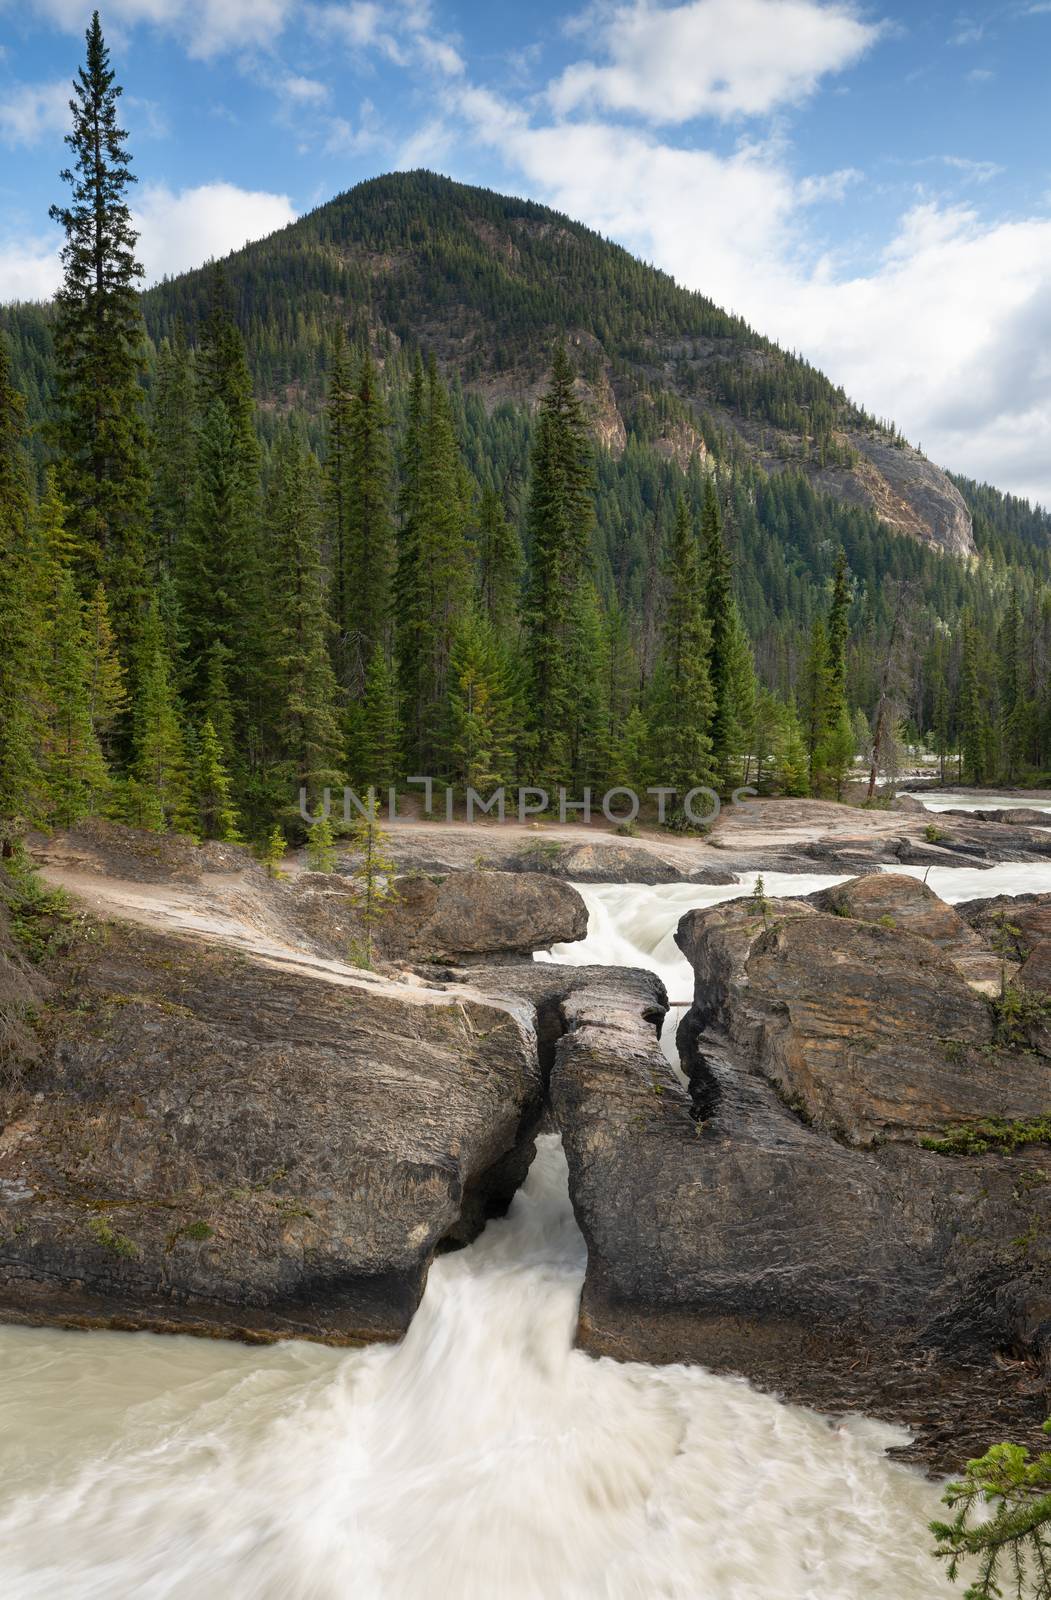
{"x":485,"y":283}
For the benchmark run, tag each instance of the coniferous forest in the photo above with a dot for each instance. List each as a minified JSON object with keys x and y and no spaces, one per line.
{"x":262,"y":531}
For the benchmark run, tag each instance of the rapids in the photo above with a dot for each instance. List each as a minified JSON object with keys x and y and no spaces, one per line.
{"x":481,"y":1458}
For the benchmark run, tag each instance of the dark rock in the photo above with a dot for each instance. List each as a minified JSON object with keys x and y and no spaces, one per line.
{"x":1010,"y":924}
{"x":896,"y":900}
{"x":476,"y":913}
{"x":886,"y":1281}
{"x":870,"y":1031}
{"x":1035,"y":972}
{"x":211,"y":1144}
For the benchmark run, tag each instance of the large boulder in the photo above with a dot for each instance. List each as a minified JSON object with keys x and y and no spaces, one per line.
{"x":728,"y":1232}
{"x":896,"y":900}
{"x":472,"y":914}
{"x":217,"y":1143}
{"x":870,"y":1031}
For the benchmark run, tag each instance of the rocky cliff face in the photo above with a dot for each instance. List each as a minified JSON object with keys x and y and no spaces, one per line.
{"x":486,"y":282}
{"x":905,"y":490}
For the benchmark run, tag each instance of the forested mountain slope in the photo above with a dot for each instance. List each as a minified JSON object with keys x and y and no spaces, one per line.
{"x":486,"y":282}
{"x":682,"y":400}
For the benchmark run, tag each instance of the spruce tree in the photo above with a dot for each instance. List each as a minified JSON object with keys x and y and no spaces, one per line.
{"x":793,"y":764}
{"x":303,"y":690}
{"x":499,"y":565}
{"x":433,"y":581}
{"x":216,"y":566}
{"x":369,"y":539}
{"x":730,"y":664}
{"x":377,"y":745}
{"x":480,"y":731}
{"x":408,"y":593}
{"x":559,"y":523}
{"x":173,"y":452}
{"x":974,"y":730}
{"x":108,"y":695}
{"x":101,"y":433}
{"x":157,"y":791}
{"x":339,"y":403}
{"x":77,"y":777}
{"x":214,"y":811}
{"x":371,"y":884}
{"x":22,"y":794}
{"x":815,"y":707}
{"x":682,"y":698}
{"x":835,"y":757}
{"x":321,"y":846}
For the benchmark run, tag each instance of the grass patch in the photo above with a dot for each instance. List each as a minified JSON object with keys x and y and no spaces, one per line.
{"x":995,"y":1133}
{"x":107,"y":1236}
{"x":42,"y":920}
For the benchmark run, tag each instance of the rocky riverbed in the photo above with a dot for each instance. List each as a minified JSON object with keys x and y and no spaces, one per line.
{"x":213,"y":1122}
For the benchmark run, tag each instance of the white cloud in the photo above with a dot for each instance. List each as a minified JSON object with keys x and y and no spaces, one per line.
{"x":304,"y":91}
{"x":206,"y":27}
{"x":29,"y":269}
{"x":179,"y":231}
{"x":400,"y":30}
{"x":29,"y":111}
{"x":176,"y":232}
{"x":976,"y":171}
{"x":948,"y":331}
{"x":713,"y":57}
{"x":828,"y":186}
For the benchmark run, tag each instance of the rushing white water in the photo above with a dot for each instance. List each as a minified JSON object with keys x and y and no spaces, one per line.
{"x":633,"y":925}
{"x":982,"y":883}
{"x":980,"y":800}
{"x":481,"y":1458}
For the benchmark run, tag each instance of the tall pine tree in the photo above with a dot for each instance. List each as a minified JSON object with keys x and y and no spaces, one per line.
{"x":682,"y":700}
{"x":559,"y":523}
{"x":22,"y":795}
{"x":99,"y":344}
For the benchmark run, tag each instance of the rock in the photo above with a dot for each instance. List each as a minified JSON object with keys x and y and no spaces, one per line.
{"x":905,"y":490}
{"x":1035,"y":972}
{"x":893,"y":899}
{"x":871,"y":1032}
{"x":594,"y":863}
{"x":22,"y":990}
{"x":909,"y":802}
{"x":477,"y":913}
{"x":884,"y":1281}
{"x":211,"y":1144}
{"x":1010,"y":924}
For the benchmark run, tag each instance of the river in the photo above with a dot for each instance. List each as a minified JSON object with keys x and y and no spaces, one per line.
{"x":481,"y":1458}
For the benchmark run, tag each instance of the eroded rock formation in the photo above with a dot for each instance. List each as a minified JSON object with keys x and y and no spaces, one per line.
{"x":782,"y":1219}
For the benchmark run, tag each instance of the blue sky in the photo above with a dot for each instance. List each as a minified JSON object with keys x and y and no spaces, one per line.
{"x":869,"y":184}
